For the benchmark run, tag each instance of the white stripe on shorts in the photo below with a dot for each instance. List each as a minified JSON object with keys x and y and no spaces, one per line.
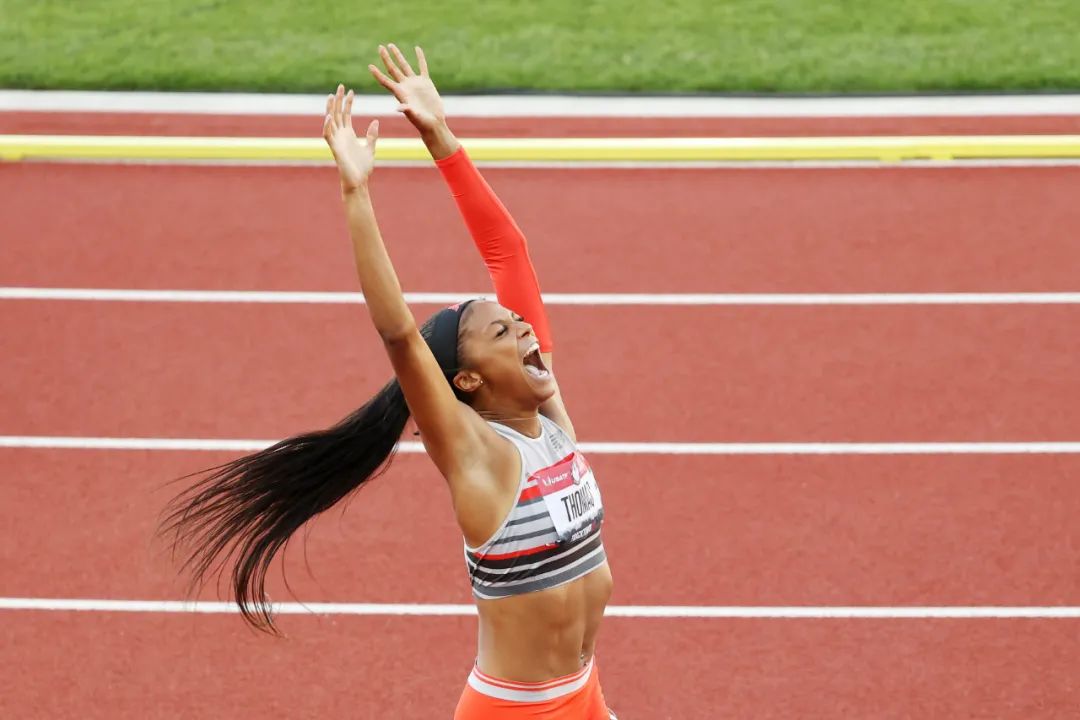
{"x":522,"y":692}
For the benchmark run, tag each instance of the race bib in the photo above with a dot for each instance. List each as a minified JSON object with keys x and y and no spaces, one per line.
{"x":570,"y":494}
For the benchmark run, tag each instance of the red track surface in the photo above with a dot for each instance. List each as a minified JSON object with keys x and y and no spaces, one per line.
{"x":292,"y":126}
{"x":138,"y":666}
{"x":838,"y":531}
{"x":769,"y":374}
{"x":920,"y":530}
{"x":841,"y":230}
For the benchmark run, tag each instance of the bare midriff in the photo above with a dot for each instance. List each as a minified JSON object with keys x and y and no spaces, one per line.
{"x":543,"y":635}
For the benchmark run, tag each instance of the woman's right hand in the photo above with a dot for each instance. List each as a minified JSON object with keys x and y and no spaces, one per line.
{"x":355,"y":160}
{"x":418,"y":98}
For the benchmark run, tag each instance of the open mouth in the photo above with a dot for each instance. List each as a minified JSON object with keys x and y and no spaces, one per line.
{"x":533,"y":363}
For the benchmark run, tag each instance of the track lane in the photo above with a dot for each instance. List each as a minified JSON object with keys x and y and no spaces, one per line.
{"x":870,"y":374}
{"x":660,"y":669}
{"x":49,"y":123}
{"x":764,"y":531}
{"x":778,"y":230}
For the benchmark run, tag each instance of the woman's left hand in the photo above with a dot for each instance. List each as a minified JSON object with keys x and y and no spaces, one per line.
{"x":418,"y":98}
{"x":355,"y":160}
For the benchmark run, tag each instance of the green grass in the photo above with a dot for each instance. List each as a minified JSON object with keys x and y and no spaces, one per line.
{"x":573,"y":45}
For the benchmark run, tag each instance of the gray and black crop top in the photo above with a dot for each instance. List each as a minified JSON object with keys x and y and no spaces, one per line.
{"x":552,"y":534}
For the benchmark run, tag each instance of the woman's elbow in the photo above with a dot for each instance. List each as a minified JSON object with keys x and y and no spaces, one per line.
{"x":399,"y":334}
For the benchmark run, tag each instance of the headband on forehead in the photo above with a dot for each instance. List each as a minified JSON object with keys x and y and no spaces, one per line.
{"x":443,"y":336}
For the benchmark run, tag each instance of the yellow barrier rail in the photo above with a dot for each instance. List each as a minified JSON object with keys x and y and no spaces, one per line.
{"x":887,"y":148}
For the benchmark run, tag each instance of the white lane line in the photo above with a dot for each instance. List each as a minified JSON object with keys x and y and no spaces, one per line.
{"x":627,"y":611}
{"x":906,"y":164}
{"x":597,"y":448}
{"x":549,"y":105}
{"x":444,"y":298}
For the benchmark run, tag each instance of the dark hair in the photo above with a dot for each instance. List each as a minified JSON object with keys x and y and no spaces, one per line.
{"x":245,"y":511}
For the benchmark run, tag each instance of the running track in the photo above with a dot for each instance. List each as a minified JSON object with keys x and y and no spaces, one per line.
{"x":912,"y":530}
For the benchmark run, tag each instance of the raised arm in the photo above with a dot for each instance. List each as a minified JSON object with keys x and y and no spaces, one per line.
{"x":501,"y":242}
{"x":451,"y":435}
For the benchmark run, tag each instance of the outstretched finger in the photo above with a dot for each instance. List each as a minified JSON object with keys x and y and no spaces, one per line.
{"x":328,"y":127}
{"x":402,"y":61}
{"x":330,"y":107}
{"x":421,"y":61}
{"x":382,"y":79}
{"x":339,"y":105}
{"x":348,"y":109}
{"x":394,"y":70}
{"x":372,"y":134}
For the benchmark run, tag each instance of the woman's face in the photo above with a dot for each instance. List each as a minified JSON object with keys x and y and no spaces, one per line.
{"x":500,"y":347}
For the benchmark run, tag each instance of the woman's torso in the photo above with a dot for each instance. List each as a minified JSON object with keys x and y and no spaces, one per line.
{"x":545,"y":634}
{"x":541,"y":581}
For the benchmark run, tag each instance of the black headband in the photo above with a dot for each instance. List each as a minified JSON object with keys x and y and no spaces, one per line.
{"x":442,"y":337}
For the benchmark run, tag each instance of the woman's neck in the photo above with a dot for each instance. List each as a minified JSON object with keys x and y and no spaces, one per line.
{"x":527,"y":424}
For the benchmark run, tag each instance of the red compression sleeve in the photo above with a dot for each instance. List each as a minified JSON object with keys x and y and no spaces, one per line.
{"x":500,"y":242}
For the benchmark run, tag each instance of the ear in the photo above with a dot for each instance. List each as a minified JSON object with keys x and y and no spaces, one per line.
{"x":468,"y":381}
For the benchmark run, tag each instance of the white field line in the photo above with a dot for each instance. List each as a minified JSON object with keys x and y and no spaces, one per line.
{"x":870,"y":612}
{"x":955,"y":164}
{"x":907,"y":163}
{"x":424,"y":298}
{"x":549,"y":105}
{"x":597,"y":448}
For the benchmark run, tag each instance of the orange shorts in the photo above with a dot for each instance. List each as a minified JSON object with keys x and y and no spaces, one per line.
{"x":571,"y":697}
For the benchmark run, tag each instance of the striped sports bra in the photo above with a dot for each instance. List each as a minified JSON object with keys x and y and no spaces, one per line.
{"x":552,"y":534}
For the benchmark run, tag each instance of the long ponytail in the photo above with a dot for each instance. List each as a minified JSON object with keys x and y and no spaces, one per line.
{"x":245,"y":511}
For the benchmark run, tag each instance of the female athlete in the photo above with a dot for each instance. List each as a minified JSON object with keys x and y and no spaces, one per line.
{"x":477,"y":380}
